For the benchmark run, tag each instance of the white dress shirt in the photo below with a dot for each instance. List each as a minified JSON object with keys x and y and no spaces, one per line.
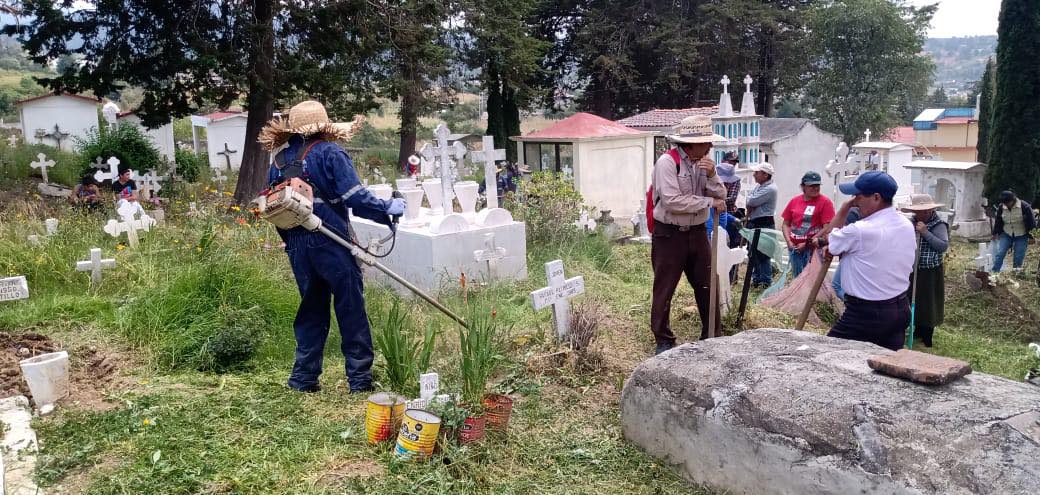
{"x":877,"y":255}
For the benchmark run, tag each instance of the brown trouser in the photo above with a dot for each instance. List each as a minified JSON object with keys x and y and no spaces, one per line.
{"x":674,"y":252}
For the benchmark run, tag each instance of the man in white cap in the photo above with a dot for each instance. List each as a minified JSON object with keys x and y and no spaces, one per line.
{"x":324,"y":269}
{"x":761,"y":207}
{"x":685,"y":186}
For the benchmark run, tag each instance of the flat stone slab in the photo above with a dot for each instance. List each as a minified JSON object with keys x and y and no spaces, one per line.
{"x":782,"y":411}
{"x":919,"y":367}
{"x":18,"y":446}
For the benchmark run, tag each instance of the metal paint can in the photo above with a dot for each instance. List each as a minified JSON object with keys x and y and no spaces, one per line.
{"x":498,"y":409}
{"x":418,"y":434}
{"x":383,"y":413}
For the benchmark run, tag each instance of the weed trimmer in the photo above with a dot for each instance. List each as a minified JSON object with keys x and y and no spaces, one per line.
{"x":913,"y":295}
{"x":291,"y":204}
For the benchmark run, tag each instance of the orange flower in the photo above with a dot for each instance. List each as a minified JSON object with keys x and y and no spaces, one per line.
{"x":241,"y":221}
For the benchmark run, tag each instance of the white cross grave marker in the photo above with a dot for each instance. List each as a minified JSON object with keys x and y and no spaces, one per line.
{"x":557,"y":294}
{"x":585,"y":223}
{"x":12,"y":140}
{"x":95,"y":265}
{"x":725,"y":84}
{"x":51,"y":226}
{"x":444,"y":155}
{"x":867,"y":134}
{"x":219,"y":177}
{"x":489,"y":155}
{"x":639,"y":220}
{"x":13,"y":288}
{"x":113,"y":172}
{"x":98,"y":163}
{"x":490,"y":254}
{"x":43,"y":164}
{"x":129,"y":225}
{"x":149,"y":184}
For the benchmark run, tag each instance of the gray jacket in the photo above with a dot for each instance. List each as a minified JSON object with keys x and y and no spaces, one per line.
{"x":761,"y":201}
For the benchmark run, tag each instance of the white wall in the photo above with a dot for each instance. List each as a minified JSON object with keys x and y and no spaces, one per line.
{"x":231,"y":131}
{"x":809,"y":149}
{"x":613,"y":174}
{"x":72,"y":115}
{"x":162,"y":136}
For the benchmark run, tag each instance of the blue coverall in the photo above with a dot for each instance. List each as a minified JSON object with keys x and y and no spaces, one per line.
{"x":324,"y":269}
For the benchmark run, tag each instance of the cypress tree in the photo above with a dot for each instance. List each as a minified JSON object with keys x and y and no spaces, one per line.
{"x":1014,"y":139}
{"x":985,"y":112}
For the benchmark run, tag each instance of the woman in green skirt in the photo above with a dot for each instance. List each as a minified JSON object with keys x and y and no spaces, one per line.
{"x":934,"y":240}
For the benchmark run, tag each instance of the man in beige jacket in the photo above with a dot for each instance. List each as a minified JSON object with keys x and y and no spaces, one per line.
{"x":685,"y":187}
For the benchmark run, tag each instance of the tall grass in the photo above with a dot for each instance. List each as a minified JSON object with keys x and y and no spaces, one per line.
{"x":14,"y":163}
{"x":480,"y":354}
{"x":405,"y":355}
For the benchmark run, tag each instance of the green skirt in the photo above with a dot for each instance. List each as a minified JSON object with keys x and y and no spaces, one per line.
{"x":928,"y":312}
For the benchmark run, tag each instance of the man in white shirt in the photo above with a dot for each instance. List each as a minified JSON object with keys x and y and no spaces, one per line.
{"x":877,"y":258}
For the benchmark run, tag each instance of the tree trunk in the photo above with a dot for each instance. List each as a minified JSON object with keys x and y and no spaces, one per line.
{"x":252,"y":176}
{"x":409,"y":121}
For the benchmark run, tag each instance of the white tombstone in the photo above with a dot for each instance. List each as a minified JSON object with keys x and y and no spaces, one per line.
{"x":490,"y":254}
{"x":129,"y":225}
{"x":728,"y":257}
{"x":408,"y":183}
{"x":381,"y":191}
{"x":429,"y":383}
{"x":585,"y":223}
{"x":51,"y":225}
{"x":489,"y":156}
{"x":493,"y":217}
{"x":94,"y":265}
{"x":446,"y":156}
{"x":110,"y":111}
{"x":639,"y":221}
{"x":43,"y":164}
{"x":14,"y":288}
{"x":557,"y":294}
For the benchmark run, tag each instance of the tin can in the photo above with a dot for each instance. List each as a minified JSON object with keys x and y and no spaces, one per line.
{"x":498,"y":410}
{"x":418,"y":434}
{"x":383,"y":414}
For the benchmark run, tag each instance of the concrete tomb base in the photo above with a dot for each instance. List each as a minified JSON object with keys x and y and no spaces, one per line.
{"x":782,"y":411}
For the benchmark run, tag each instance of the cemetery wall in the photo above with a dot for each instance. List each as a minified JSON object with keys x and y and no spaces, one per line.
{"x":791,"y":157}
{"x":230,"y":131}
{"x":161,"y":136}
{"x":614,"y":174}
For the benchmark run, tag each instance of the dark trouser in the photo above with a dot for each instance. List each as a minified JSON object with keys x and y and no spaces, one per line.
{"x":761,"y":268}
{"x":881,"y":322}
{"x":323,"y":269}
{"x":673,"y":253}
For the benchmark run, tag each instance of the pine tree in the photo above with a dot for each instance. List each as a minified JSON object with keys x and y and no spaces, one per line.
{"x":1014,"y":137}
{"x":986,"y":87}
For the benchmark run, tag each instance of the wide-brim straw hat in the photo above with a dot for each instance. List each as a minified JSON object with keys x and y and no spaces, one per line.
{"x":921,"y":202}
{"x":695,"y":129}
{"x":308,"y":118}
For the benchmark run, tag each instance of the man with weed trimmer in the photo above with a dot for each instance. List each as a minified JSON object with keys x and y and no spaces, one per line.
{"x":877,"y":258}
{"x":685,"y":186}
{"x":304,"y":151}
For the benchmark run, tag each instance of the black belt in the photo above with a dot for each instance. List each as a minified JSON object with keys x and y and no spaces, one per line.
{"x":678,"y":228}
{"x":895,"y":300}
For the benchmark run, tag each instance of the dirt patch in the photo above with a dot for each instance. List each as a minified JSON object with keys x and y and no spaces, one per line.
{"x":338,"y":469}
{"x":92,"y":371}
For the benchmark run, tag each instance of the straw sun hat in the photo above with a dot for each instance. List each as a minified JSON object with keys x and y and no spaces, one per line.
{"x":694,"y":129}
{"x":308,"y":118}
{"x":921,"y":202}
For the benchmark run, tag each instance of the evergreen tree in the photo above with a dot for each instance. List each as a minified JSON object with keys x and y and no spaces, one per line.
{"x":985,"y":88}
{"x":1014,"y":137}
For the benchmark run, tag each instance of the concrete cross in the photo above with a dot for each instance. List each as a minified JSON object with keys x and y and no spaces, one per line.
{"x":444,"y":154}
{"x":113,"y":172}
{"x":12,"y":140}
{"x":227,"y":155}
{"x":728,"y":257}
{"x":557,"y":294}
{"x":57,"y":135}
{"x":98,"y":163}
{"x":149,"y":184}
{"x":585,"y":223}
{"x":490,"y":254}
{"x":747,"y":83}
{"x":867,"y":134}
{"x":95,"y":265}
{"x":43,"y":164}
{"x":489,"y":155}
{"x":429,"y":384}
{"x":13,"y":288}
{"x":725,"y":84}
{"x":129,"y":225}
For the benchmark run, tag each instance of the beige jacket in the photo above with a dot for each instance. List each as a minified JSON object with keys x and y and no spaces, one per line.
{"x":683,"y":198}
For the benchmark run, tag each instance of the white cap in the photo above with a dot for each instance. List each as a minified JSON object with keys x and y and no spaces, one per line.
{"x":762,"y":167}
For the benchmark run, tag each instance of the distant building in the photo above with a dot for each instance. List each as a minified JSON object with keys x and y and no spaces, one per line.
{"x":56,"y":119}
{"x":794,"y":147}
{"x":661,"y":122}
{"x":161,"y":136}
{"x":949,"y":134}
{"x":225,"y":137}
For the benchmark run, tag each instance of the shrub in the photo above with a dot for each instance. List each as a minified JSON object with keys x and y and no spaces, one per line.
{"x":189,"y":164}
{"x":124,"y":141}
{"x":549,"y":206}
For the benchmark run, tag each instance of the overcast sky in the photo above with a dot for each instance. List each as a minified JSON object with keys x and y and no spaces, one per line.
{"x":963,"y":17}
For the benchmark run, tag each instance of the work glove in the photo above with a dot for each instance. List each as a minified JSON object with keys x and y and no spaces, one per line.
{"x":396,"y":207}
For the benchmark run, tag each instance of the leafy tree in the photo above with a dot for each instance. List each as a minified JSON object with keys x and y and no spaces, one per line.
{"x":938,"y":99}
{"x":1014,"y":136}
{"x":985,"y":89}
{"x":867,"y":64}
{"x":194,"y":53}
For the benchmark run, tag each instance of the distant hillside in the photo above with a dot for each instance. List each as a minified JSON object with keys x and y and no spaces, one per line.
{"x":959,"y":61}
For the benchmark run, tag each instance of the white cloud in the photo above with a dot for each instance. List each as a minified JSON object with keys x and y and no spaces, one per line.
{"x":963,"y":17}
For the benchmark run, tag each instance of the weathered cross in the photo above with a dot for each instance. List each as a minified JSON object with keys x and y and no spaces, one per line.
{"x":57,"y":135}
{"x":489,"y":155}
{"x":585,"y":223}
{"x":43,"y":164}
{"x":867,"y":134}
{"x":490,"y":254}
{"x":113,"y":172}
{"x":95,"y":265}
{"x":129,"y":225}
{"x":747,"y":82}
{"x":13,"y":288}
{"x":444,"y":154}
{"x":227,"y":155}
{"x":149,"y":184}
{"x":725,"y":84}
{"x":557,"y":294}
{"x":12,"y":140}
{"x":99,"y":163}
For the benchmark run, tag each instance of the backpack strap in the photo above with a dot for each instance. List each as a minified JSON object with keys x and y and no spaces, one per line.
{"x":298,"y":167}
{"x":674,"y":153}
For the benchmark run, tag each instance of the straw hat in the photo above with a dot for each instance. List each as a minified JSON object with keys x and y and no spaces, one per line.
{"x":921,"y":202}
{"x":694,"y":129}
{"x":308,"y":118}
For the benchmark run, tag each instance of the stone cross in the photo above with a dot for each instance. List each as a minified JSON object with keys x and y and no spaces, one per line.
{"x":444,"y":155}
{"x":747,"y":83}
{"x":429,"y":383}
{"x":639,"y":220}
{"x":489,"y":155}
{"x":113,"y":172}
{"x":227,"y":155}
{"x":43,"y":164}
{"x":57,"y":135}
{"x":585,"y":223}
{"x":95,"y":265}
{"x":98,"y":163}
{"x":51,"y":226}
{"x":867,"y":134}
{"x":13,"y":288}
{"x":219,"y":177}
{"x":12,"y":140}
{"x":557,"y":294}
{"x":129,"y":225}
{"x":149,"y":184}
{"x":490,"y":254}
{"x":725,"y":84}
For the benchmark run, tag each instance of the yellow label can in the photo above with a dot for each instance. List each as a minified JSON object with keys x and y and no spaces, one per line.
{"x":418,"y":434}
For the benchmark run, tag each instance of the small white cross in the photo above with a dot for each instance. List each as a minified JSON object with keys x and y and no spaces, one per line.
{"x":747,"y":82}
{"x":984,"y":260}
{"x":129,"y":225}
{"x":585,"y":223}
{"x":725,"y":84}
{"x":43,"y":164}
{"x":639,"y":220}
{"x":95,"y":265}
{"x":867,"y":134}
{"x":98,"y":163}
{"x":489,"y":155}
{"x":490,"y":254}
{"x":149,"y":184}
{"x":557,"y":294}
{"x":113,"y":172}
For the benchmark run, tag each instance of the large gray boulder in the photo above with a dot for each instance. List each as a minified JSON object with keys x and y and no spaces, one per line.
{"x":782,"y":411}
